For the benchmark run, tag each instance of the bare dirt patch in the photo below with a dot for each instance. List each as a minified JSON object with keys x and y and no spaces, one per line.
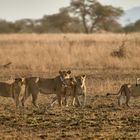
{"x":100,"y":119}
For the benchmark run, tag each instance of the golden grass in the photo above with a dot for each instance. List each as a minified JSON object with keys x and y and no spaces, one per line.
{"x":48,"y":52}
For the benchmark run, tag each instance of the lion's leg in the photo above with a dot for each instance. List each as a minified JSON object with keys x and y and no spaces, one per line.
{"x":122,"y":92}
{"x":34,"y":98}
{"x":67,"y":101}
{"x":66,"y":98}
{"x":77,"y":101}
{"x":59,"y":98}
{"x":74,"y":97}
{"x":53,"y":101}
{"x":121,"y":99}
{"x":60,"y":101}
{"x":127,"y":100}
{"x":16,"y":92}
{"x":25,"y":96}
{"x":84,"y":99}
{"x":127,"y":95}
{"x":119,"y":102}
{"x":73,"y":100}
{"x":16,"y":99}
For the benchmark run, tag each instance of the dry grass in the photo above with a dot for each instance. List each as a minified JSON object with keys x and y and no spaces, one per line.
{"x":53,"y":52}
{"x":44,"y":55}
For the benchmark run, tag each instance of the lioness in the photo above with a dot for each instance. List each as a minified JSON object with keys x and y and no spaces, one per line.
{"x":69,"y":90}
{"x":75,"y":87}
{"x":80,"y":89}
{"x":34,"y":85}
{"x":11,"y":90}
{"x":126,"y":91}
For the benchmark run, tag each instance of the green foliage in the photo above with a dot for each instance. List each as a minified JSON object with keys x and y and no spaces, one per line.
{"x":60,"y":22}
{"x":133,"y":27}
{"x":24,"y":26}
{"x":93,"y":15}
{"x":6,"y":27}
{"x":137,"y":25}
{"x":112,"y":26}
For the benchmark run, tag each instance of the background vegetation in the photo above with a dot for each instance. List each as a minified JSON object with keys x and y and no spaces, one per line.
{"x":81,"y":16}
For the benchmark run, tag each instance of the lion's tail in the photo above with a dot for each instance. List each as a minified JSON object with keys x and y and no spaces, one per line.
{"x":108,"y":94}
{"x":121,"y":89}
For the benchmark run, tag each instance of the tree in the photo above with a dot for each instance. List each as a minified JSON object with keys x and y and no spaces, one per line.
{"x":112,"y":26}
{"x":92,"y":14}
{"x":59,"y":22}
{"x":137,"y":25}
{"x":6,"y":27}
{"x":56,"y":22}
{"x":133,"y":27}
{"x":24,"y":26}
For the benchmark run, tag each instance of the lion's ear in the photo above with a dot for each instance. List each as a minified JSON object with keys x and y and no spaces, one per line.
{"x":69,"y":72}
{"x":60,"y":72}
{"x":84,"y":76}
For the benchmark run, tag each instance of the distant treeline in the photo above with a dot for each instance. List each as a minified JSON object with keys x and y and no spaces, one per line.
{"x":84,"y":16}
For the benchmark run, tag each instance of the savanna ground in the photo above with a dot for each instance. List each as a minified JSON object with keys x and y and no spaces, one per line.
{"x":44,"y":55}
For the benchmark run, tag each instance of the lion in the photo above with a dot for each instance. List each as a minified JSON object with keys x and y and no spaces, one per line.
{"x":75,"y":87}
{"x":68,"y":91}
{"x":126,"y":91}
{"x":34,"y":85}
{"x":80,"y":90}
{"x":11,"y":90}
